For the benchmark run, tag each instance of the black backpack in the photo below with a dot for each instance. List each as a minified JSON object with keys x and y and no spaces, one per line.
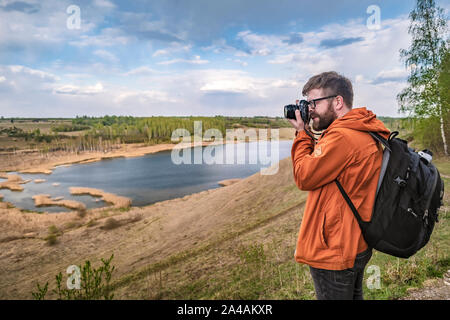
{"x":409,"y":194}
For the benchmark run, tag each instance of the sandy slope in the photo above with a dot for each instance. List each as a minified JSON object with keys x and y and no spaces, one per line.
{"x":146,"y":235}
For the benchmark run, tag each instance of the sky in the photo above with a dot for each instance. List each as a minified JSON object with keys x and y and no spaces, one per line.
{"x":196,"y":57}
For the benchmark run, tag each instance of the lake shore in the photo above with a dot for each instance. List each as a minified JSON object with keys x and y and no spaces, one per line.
{"x":38,"y":163}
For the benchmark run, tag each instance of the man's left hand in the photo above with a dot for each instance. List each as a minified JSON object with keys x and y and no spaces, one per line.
{"x":298,"y":123}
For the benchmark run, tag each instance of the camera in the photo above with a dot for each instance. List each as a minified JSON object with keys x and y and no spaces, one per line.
{"x":289,"y":110}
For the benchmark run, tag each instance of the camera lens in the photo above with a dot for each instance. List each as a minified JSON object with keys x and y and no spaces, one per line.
{"x":289,"y":111}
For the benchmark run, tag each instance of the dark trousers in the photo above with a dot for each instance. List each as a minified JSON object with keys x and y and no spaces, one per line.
{"x":341,"y":284}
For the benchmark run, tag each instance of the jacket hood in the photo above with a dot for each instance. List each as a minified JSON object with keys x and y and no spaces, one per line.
{"x":361,"y":119}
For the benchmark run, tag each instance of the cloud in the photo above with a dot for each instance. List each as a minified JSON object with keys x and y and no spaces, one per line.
{"x":142,"y":71}
{"x":21,"y":7}
{"x":393,"y":75}
{"x":258,"y":45}
{"x":104,"y":4}
{"x":128,"y":97}
{"x":106,"y":55}
{"x":224,"y":57}
{"x":369,"y":58}
{"x":157,"y":35}
{"x":160,"y":52}
{"x":214,"y":81}
{"x":147,"y":27}
{"x":107,"y":37}
{"x":203,"y":21}
{"x":22,"y":70}
{"x":173,"y":49}
{"x":333,"y":43}
{"x":77,"y":90}
{"x":242,"y":63}
{"x":227,"y":86}
{"x":196,"y":60}
{"x":28,"y":35}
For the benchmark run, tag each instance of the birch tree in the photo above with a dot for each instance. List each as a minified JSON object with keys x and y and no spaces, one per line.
{"x":423,"y":59}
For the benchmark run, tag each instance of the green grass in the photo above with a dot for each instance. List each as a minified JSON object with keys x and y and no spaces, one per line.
{"x":443,"y":166}
{"x":89,"y":284}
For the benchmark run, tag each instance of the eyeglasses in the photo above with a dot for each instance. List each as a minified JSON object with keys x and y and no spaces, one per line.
{"x":313,"y":102}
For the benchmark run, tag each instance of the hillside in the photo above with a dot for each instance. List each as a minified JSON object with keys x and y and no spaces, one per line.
{"x":168,"y":232}
{"x":235,"y":242}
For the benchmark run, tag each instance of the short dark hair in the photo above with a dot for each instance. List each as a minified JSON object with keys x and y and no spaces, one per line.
{"x":332,"y":83}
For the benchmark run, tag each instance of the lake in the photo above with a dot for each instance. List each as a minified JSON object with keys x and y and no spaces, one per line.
{"x":153,"y":177}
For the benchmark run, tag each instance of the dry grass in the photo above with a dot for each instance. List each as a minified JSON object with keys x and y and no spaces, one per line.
{"x":13,"y":182}
{"x":228,"y":182}
{"x":115,"y":200}
{"x":42,"y":200}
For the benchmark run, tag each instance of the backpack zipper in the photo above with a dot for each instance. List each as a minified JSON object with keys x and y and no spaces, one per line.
{"x":425,"y":215}
{"x":412,"y":212}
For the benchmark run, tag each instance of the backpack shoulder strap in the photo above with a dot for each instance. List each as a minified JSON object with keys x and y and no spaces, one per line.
{"x":361,"y":223}
{"x":386,"y":156}
{"x":382,"y":140}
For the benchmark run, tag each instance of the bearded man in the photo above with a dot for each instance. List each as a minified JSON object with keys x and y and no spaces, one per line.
{"x":330,"y":240}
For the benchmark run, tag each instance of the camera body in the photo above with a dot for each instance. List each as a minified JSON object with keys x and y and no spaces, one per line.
{"x":303,"y":106}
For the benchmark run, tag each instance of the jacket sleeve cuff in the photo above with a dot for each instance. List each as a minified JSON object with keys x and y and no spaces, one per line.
{"x":302,"y":135}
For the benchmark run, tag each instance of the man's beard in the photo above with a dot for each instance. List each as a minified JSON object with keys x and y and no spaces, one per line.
{"x":324,"y":120}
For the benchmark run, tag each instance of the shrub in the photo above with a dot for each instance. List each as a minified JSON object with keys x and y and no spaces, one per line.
{"x":53,"y":230}
{"x":110,"y":223}
{"x":53,"y":233}
{"x":51,"y":239}
{"x":94,"y":284}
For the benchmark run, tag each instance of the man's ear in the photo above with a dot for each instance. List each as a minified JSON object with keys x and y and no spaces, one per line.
{"x":339,"y":103}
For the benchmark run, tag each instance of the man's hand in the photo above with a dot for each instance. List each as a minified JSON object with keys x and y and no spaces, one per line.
{"x":298,"y":123}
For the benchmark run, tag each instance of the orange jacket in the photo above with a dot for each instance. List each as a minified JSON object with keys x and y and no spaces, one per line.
{"x":330,"y":236}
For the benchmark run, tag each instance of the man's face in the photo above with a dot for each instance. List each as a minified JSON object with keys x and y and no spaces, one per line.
{"x":324,"y":114}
